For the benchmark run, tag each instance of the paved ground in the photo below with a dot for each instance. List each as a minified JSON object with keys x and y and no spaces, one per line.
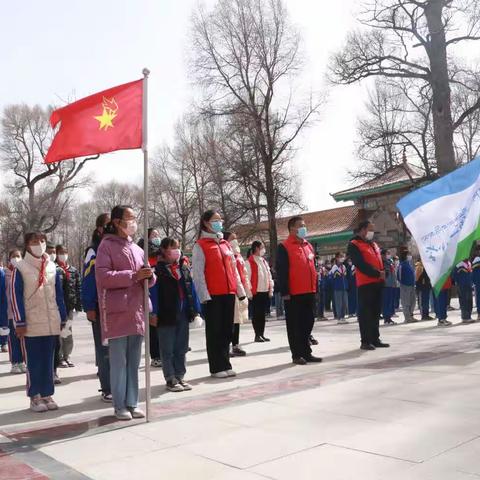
{"x":410,"y":412}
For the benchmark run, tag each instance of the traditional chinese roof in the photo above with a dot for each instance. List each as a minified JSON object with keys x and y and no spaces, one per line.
{"x":333,"y":224}
{"x":397,"y":177}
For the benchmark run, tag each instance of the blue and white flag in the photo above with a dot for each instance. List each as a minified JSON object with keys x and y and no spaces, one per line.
{"x":443,"y":218}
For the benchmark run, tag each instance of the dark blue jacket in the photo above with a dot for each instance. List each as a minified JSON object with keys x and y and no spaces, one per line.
{"x":462,"y":275}
{"x":476,"y":271}
{"x":406,"y":274}
{"x":167,"y":303}
{"x":338,"y":274}
{"x":89,"y":285}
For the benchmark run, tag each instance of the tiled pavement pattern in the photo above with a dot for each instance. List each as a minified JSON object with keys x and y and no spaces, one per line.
{"x":409,"y":412}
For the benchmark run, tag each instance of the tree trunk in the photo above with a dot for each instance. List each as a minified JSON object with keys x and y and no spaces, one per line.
{"x":441,"y":94}
{"x":271,"y":212}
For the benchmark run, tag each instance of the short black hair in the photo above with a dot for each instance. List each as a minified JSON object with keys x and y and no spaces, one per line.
{"x":363,"y":224}
{"x":293,"y":221}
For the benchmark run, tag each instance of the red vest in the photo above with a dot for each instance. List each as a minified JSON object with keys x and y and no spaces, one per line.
{"x":254,"y":269}
{"x":372,"y":255}
{"x":219,"y":269}
{"x":302,"y":274}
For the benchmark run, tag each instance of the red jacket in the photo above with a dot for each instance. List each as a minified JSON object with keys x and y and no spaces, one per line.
{"x":219,"y":270}
{"x":302,"y":274}
{"x":370,"y":263}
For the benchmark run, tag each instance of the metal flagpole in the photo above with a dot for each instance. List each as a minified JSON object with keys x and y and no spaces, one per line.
{"x":146,"y":306}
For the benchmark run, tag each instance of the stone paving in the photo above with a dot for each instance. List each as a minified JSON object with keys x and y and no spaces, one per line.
{"x":410,"y":412}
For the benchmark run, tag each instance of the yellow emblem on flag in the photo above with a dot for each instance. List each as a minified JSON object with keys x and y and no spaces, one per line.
{"x":109,"y":112}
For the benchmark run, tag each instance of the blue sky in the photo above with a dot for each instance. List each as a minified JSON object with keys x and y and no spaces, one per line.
{"x":54,"y":51}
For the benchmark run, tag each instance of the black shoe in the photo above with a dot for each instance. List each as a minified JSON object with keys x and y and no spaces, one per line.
{"x":389,"y":322}
{"x":313,"y":341}
{"x":265,"y":339}
{"x":366,"y":346}
{"x":259,"y":339}
{"x":427,"y":317}
{"x":238,"y":352}
{"x":380,"y":344}
{"x":299,"y":361}
{"x":312,"y":359}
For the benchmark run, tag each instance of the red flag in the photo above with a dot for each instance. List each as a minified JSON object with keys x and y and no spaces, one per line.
{"x":104,"y":122}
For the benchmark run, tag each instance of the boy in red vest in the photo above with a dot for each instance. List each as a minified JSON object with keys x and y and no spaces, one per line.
{"x":370,"y":277}
{"x":297,"y":280}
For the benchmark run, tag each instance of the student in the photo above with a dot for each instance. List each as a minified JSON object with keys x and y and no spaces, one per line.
{"x":322,"y":276}
{"x":241,"y":306}
{"x":298,"y":284}
{"x":4,"y":330}
{"x":462,"y":276}
{"x":424,"y":288}
{"x":217,"y":281}
{"x":154,"y":240}
{"x":14,"y":346}
{"x":261,"y":280}
{"x":91,"y":307}
{"x":38,"y":314}
{"x":339,"y":281}
{"x":441,"y":302}
{"x":406,"y":278}
{"x":352,"y":288}
{"x":52,"y":254}
{"x":175,"y":305}
{"x":120,"y":275}
{"x":73,"y":302}
{"x":476,"y":280}
{"x":388,"y":300}
{"x":396,"y":294}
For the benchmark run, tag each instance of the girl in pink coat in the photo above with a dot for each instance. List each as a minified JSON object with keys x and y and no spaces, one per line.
{"x":120,"y":276}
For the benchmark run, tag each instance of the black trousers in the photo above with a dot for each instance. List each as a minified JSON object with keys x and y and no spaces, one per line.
{"x":219,"y":313}
{"x":154,"y":346}
{"x":465,"y":299}
{"x":300,"y":317}
{"x":260,"y":302}
{"x":236,"y":334}
{"x":369,"y":309}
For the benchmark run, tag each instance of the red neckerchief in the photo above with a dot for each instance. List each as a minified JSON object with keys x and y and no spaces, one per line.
{"x":42,"y":276}
{"x":64,"y":267}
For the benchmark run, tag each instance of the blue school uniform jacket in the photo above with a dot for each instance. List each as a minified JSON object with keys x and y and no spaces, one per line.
{"x":462,"y":274}
{"x":339,"y":277}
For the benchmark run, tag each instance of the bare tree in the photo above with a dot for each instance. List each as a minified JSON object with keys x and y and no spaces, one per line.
{"x":244,"y":53}
{"x":37,"y":193}
{"x":108,"y":195}
{"x":388,"y":47}
{"x":398,"y":117}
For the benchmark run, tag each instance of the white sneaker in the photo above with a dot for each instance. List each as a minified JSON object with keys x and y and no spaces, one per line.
{"x":136,"y":412}
{"x":123,"y":414}
{"x":231,"y":373}
{"x":16,"y":368}
{"x":174,"y":386}
{"x":342,"y":321}
{"x":37,"y":405}
{"x":220,"y":375}
{"x":156,"y":363}
{"x":23,"y":367}
{"x":186,"y":386}
{"x":50,"y":403}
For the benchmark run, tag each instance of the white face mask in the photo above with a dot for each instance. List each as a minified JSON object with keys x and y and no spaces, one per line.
{"x":38,"y":250}
{"x":409,"y":258}
{"x":389,"y":257}
{"x":63,"y":258}
{"x":341,"y":259}
{"x":14,"y":261}
{"x":235,"y":246}
{"x":53,"y":257}
{"x":369,"y":235}
{"x":131,"y":228}
{"x":262,"y":252}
